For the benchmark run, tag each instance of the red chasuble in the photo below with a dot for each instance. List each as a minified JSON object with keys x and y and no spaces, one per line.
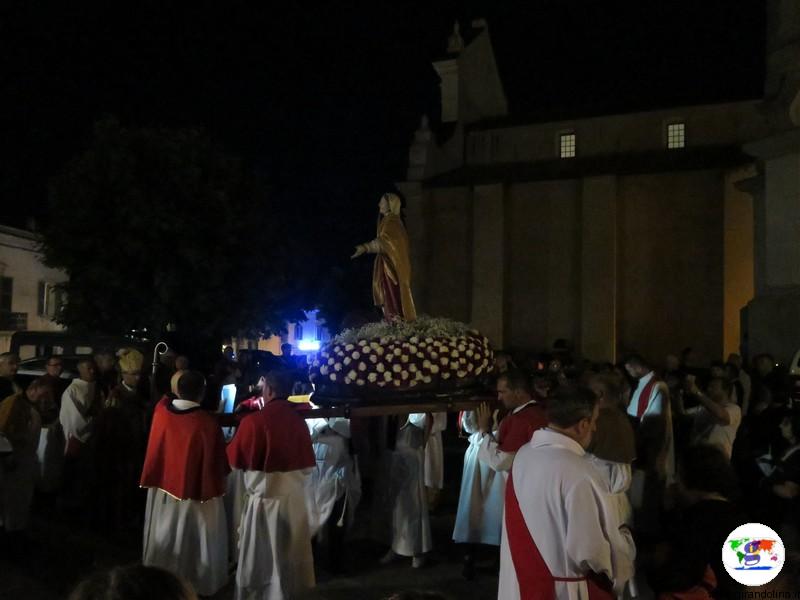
{"x":185,"y":454}
{"x":275,"y":438}
{"x":516,"y":429}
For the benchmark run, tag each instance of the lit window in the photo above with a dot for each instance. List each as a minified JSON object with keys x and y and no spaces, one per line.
{"x":567,"y":145}
{"x":676,"y":135}
{"x":298,"y":331}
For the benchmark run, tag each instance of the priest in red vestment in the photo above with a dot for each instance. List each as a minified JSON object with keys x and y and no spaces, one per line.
{"x":272,"y":448}
{"x":525,"y":416}
{"x":184,"y":470}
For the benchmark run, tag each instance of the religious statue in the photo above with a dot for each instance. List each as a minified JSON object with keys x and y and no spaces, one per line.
{"x":391,"y":275}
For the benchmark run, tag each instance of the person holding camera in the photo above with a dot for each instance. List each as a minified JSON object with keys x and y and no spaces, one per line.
{"x":716,"y":418}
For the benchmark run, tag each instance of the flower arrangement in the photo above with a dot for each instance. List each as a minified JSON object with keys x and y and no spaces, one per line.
{"x":422,"y":355}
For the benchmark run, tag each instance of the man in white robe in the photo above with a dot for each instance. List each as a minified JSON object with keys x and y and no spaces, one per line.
{"x":434,"y":459}
{"x":333,"y":490}
{"x":405,"y":496}
{"x":558,"y":538}
{"x":79,"y":404}
{"x":272,"y":448}
{"x":184,"y":470}
{"x":654,"y":468}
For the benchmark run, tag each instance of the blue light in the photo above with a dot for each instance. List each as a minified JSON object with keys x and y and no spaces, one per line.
{"x":308,"y":346}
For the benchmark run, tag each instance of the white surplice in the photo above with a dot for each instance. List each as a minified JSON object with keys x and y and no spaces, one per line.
{"x":335,"y":477}
{"x":479,"y":518}
{"x":187,"y":537}
{"x":275,"y":560}
{"x":402,"y":492}
{"x":657,"y":406}
{"x":434,"y":453}
{"x":75,"y":402}
{"x":564,"y":504}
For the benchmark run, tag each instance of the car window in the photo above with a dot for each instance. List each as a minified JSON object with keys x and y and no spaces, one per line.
{"x":27,"y":351}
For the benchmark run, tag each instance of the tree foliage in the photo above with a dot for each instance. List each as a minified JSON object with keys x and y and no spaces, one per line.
{"x":157,"y":226}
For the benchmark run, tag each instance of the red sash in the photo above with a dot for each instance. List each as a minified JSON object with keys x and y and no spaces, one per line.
{"x":644,"y":397}
{"x":535,"y":580}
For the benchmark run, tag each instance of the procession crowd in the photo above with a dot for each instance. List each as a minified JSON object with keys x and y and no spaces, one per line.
{"x":579,"y":480}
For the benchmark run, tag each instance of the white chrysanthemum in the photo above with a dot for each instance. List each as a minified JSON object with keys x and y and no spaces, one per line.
{"x":397,"y":368}
{"x":352,"y":374}
{"x":331,"y":360}
{"x":426,"y":380}
{"x":454,"y":366}
{"x":389,"y":356}
{"x":372,"y":377}
{"x":323,"y":370}
{"x":338,"y":351}
{"x":387,"y":376}
{"x":366,"y":349}
{"x":380,"y":368}
{"x":384,"y":341}
{"x":413,"y":383}
{"x":469,"y":367}
{"x":462,"y":361}
{"x":445,"y":374}
{"x":454,"y":354}
{"x":462,"y":348}
{"x":428,"y":340}
{"x":347,"y":360}
{"x":379,"y":350}
{"x":356,"y":355}
{"x":478,"y":371}
{"x":434,"y":369}
{"x":373,"y":358}
{"x":412,"y":367}
{"x":360,"y":382}
{"x":381,"y":383}
{"x":404,"y":358}
{"x":443,"y":361}
{"x":419,"y":375}
{"x":420,"y":355}
{"x":404,"y":375}
{"x":362,"y":342}
{"x":397,"y":383}
{"x":414,"y":339}
{"x":315,"y":364}
{"x":426,"y":364}
{"x":412,"y":349}
{"x":470,"y":353}
{"x":349,"y":347}
{"x":461,"y":374}
{"x":362,"y":366}
{"x":332,"y":376}
{"x":434,"y":355}
{"x":422,"y":345}
{"x":374,"y":345}
{"x":337,"y":366}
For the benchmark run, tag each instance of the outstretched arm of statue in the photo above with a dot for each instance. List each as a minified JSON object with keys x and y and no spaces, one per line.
{"x":373,"y":247}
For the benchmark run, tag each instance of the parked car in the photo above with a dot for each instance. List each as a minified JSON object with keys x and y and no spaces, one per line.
{"x":36,"y":344}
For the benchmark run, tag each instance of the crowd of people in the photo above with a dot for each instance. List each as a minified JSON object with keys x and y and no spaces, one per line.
{"x":583,"y":480}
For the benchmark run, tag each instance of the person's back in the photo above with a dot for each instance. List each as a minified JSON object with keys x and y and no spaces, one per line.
{"x":558,"y":539}
{"x":185,"y":467}
{"x":272,"y":449}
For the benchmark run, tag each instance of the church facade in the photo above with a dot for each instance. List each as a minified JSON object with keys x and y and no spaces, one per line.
{"x":647,"y":231}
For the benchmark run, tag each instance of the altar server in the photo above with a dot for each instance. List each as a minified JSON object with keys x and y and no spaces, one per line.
{"x":272,"y":447}
{"x":184,"y":470}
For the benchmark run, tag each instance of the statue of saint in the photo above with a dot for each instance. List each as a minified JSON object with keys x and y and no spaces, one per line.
{"x":391,"y":275}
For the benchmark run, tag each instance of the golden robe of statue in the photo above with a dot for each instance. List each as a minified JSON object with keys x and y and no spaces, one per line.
{"x":391,"y":274}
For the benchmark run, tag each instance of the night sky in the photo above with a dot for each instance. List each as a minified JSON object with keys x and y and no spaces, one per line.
{"x":323,"y":100}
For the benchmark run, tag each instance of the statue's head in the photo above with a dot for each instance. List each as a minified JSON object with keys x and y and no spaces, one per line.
{"x":390,"y":204}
